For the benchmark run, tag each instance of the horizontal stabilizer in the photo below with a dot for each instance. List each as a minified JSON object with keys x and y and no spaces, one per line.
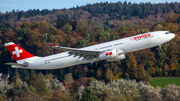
{"x":17,"y":64}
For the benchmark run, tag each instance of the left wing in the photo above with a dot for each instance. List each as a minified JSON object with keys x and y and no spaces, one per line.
{"x":86,"y":54}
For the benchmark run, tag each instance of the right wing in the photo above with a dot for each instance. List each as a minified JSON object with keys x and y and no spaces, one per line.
{"x":86,"y":54}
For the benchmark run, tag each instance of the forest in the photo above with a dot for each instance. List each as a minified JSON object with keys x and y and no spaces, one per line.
{"x":125,"y":80}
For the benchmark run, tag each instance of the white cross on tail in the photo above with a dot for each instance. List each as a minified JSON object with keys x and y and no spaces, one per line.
{"x":17,"y":52}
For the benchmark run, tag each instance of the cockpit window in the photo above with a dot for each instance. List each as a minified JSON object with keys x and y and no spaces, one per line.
{"x":167,"y":32}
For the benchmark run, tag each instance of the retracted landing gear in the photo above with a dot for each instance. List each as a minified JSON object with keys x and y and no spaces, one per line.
{"x":159,"y":47}
{"x":94,"y":66}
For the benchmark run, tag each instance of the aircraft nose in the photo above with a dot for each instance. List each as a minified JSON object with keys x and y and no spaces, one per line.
{"x":172,"y":35}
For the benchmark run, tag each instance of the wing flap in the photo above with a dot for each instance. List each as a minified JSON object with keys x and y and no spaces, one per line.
{"x":77,"y":49}
{"x":86,"y":54}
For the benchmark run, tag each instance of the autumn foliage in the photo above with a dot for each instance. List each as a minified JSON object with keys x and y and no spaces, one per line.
{"x":85,"y":26}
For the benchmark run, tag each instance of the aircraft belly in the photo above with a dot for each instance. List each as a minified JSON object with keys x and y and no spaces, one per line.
{"x":65,"y":62}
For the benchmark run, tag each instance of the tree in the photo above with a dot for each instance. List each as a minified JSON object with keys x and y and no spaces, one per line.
{"x":99,"y":73}
{"x":50,"y":78}
{"x":27,"y":96}
{"x":16,"y":79}
{"x":158,"y":71}
{"x":2,"y":27}
{"x":83,"y":81}
{"x":58,"y":95}
{"x":162,"y":57}
{"x":1,"y":97}
{"x":20,"y":15}
{"x":89,"y":95}
{"x":66,"y":28}
{"x":41,"y":85}
{"x":152,"y":70}
{"x":159,"y":27}
{"x":66,"y":23}
{"x":9,"y":35}
{"x":172,"y":27}
{"x":68,"y":80}
{"x":172,"y":66}
{"x":32,"y":77}
{"x":132,"y":66}
{"x":166,"y":69}
{"x":150,"y":95}
{"x":170,"y":93}
{"x":109,"y":75}
{"x":9,"y":25}
{"x":24,"y":74}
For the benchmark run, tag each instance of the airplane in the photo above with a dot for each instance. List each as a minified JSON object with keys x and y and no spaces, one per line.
{"x":109,"y":51}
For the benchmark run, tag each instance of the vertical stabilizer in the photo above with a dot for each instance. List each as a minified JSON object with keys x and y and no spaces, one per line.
{"x":17,"y":52}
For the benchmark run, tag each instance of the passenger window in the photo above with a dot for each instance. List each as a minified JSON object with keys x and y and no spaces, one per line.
{"x":106,"y":47}
{"x":167,"y":33}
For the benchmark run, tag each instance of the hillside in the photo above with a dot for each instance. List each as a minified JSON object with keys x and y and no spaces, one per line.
{"x":84,"y":26}
{"x":110,"y":14}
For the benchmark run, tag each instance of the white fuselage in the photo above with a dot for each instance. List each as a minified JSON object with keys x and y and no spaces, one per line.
{"x":129,"y":44}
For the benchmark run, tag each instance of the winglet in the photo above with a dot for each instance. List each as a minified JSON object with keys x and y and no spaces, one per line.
{"x":53,"y":45}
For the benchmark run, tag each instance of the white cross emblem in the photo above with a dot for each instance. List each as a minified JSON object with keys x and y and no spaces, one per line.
{"x":17,"y":52}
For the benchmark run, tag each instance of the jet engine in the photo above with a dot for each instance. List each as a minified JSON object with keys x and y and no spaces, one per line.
{"x":114,"y":54}
{"x":120,"y":57}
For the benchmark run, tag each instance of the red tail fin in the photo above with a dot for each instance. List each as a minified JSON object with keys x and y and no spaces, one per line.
{"x":17,"y":52}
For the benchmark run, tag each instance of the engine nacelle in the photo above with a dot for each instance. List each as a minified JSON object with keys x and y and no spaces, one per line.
{"x":112,"y":54}
{"x":120,"y":57}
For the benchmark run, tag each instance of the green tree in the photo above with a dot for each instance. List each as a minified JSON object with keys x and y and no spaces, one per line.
{"x":66,"y":28}
{"x":24,"y":74}
{"x":41,"y":85}
{"x":50,"y":78}
{"x":16,"y":79}
{"x":9,"y":25}
{"x":89,"y":95}
{"x":157,"y":71}
{"x":1,"y":97}
{"x":83,"y":43}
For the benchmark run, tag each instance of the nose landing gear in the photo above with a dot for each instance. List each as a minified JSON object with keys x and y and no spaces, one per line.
{"x":159,"y":47}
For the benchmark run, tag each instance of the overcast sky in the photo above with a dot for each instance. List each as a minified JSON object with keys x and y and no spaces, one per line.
{"x":9,"y":5}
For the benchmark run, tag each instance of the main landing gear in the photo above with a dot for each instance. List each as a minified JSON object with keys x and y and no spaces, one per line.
{"x":94,"y":66}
